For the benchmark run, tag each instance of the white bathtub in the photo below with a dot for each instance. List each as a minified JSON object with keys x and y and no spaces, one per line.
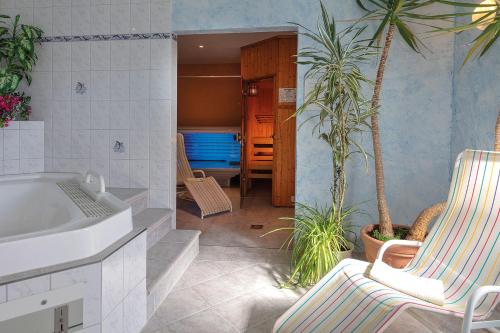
{"x":41,"y":226}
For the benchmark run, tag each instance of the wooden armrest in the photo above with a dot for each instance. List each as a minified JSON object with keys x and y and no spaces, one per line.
{"x":200,"y":172}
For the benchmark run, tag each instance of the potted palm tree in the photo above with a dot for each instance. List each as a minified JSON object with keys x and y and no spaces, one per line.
{"x":17,"y":59}
{"x":340,"y":112}
{"x":393,"y":17}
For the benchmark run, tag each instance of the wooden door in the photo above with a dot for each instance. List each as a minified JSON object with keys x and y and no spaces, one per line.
{"x":243,"y":141}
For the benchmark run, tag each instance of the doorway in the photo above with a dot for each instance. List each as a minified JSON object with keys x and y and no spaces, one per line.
{"x":235,"y":120}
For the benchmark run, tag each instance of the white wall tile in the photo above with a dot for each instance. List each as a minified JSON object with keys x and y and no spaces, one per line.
{"x":80,"y":144}
{"x":134,"y":253}
{"x":159,"y":114}
{"x":139,"y":144}
{"x":100,"y":55}
{"x":83,"y":77}
{"x":101,"y":166}
{"x":80,"y":20}
{"x":161,"y":48}
{"x":80,"y":114}
{"x":113,"y":323}
{"x":120,"y":55}
{"x":140,"y":54}
{"x":42,"y":111}
{"x":48,"y":144}
{"x":24,"y":3}
{"x":139,"y":173}
{"x":160,"y":84}
{"x":1,"y":144}
{"x":121,"y":136}
{"x":100,"y":144}
{"x":61,"y":115}
{"x":11,"y":167}
{"x":61,"y":56}
{"x":139,"y":115}
{"x":120,"y":19}
{"x":42,"y":3}
{"x":159,"y":172}
{"x":119,"y":85}
{"x":62,"y":143}
{"x":100,"y":114}
{"x":62,"y":85}
{"x":159,"y":198}
{"x":139,"y":85}
{"x":100,"y":20}
{"x":119,"y":173}
{"x":26,"y":14}
{"x":112,"y":282}
{"x":100,"y":85}
{"x":32,"y":165}
{"x":119,"y":115}
{"x":28,"y":287}
{"x":41,"y":86}
{"x":3,"y":294}
{"x":31,"y":144}
{"x":80,"y":56}
{"x":44,"y":53}
{"x":91,"y":276}
{"x":159,"y":145}
{"x":11,"y":144}
{"x":135,"y":309}
{"x":61,"y":25}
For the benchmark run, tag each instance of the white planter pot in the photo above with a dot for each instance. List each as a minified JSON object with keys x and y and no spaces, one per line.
{"x":346,"y":254}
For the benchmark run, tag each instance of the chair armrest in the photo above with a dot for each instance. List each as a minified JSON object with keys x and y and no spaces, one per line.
{"x":200,"y":172}
{"x":393,"y":242}
{"x":471,"y":305}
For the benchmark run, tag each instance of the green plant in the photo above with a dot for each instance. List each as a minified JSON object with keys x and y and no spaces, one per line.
{"x":340,"y":111}
{"x":318,"y":237}
{"x":17,"y":52}
{"x":336,"y":101}
{"x":393,"y":17}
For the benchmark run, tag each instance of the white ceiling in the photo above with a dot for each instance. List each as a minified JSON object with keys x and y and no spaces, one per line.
{"x":218,"y":48}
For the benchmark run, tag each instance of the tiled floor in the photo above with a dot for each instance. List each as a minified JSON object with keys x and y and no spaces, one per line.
{"x":232,"y":285}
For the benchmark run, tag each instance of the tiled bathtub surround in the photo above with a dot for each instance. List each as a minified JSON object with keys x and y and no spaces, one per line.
{"x":22,"y":148}
{"x":114,"y":293}
{"x":123,"y":55}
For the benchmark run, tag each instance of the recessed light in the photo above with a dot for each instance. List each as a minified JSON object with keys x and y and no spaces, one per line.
{"x":201,"y":46}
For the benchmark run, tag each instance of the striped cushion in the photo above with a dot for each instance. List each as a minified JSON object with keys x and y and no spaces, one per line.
{"x":462,"y":250}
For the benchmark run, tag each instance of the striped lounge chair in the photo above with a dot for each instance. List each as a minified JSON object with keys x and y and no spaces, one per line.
{"x":205,"y":191}
{"x":462,"y":250}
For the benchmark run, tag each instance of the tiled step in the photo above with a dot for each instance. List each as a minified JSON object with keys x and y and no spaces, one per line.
{"x":167,"y":261}
{"x":135,"y":197}
{"x":157,"y":221}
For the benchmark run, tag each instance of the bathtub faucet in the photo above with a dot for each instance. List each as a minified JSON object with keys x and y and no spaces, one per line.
{"x":119,"y":147}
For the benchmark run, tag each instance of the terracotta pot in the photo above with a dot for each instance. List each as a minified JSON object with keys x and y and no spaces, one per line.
{"x":398,"y":256}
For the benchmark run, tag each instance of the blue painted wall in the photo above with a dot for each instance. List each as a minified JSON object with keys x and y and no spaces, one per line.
{"x":476,"y":96}
{"x":416,"y":116}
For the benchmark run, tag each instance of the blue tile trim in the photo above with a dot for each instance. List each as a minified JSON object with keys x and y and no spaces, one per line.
{"x":87,"y":38}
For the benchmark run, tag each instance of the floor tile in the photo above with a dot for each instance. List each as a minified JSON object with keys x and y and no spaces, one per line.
{"x":180,"y":304}
{"x":203,"y":322}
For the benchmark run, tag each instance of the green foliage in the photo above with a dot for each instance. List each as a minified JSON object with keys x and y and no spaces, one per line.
{"x":319,"y":236}
{"x":399,"y":233}
{"x":337,"y":93}
{"x":489,"y":20}
{"x":17,"y":52}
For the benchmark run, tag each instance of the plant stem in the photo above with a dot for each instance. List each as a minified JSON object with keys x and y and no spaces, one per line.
{"x":385,"y":222}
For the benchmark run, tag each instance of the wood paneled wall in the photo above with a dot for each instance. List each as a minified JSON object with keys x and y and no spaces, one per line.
{"x":275,"y":58}
{"x":205,"y":101}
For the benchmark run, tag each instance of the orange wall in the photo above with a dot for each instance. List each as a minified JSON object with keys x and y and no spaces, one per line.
{"x":209,"y":101}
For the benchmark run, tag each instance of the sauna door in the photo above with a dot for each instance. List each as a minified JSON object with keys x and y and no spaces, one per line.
{"x":243,"y":141}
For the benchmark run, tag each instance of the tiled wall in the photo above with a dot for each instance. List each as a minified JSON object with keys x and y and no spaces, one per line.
{"x":114,"y":294}
{"x":128,"y":92}
{"x":22,"y":148}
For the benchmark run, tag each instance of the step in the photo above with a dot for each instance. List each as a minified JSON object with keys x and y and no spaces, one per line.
{"x":167,"y":261}
{"x":135,"y":197}
{"x":157,"y":221}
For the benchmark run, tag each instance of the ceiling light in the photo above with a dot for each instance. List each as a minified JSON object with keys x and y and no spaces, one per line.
{"x":201,"y":46}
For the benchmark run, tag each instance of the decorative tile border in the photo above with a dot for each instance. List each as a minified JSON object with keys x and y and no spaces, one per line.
{"x":87,"y":38}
